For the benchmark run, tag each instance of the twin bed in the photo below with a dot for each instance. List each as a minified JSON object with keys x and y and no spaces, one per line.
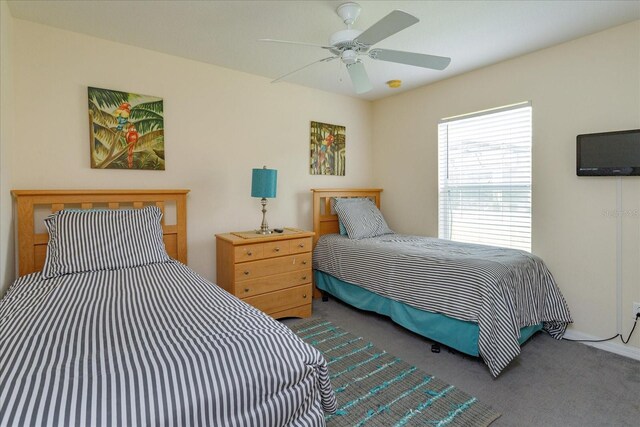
{"x":480,"y":300}
{"x":105,"y":328}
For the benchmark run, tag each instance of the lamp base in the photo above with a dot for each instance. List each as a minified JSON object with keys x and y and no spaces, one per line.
{"x":264,"y":227}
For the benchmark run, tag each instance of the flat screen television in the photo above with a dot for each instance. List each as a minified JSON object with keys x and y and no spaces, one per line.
{"x":609,"y":153}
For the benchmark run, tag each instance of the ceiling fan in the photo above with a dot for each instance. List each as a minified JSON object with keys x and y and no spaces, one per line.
{"x":350,"y":44}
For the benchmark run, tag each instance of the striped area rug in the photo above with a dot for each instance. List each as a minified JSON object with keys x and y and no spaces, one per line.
{"x":375,"y":388}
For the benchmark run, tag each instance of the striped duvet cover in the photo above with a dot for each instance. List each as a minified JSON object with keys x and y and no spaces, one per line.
{"x":155,"y":345}
{"x":501,"y":289}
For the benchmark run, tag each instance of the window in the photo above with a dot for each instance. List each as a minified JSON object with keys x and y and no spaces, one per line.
{"x":484,"y":183}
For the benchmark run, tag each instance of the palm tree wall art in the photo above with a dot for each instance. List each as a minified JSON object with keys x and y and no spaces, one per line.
{"x":328,"y":149}
{"x":126,"y":130}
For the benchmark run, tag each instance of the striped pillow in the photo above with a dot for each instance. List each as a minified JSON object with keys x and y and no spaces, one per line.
{"x":361,"y":218}
{"x":343,"y":231}
{"x":95,"y":240}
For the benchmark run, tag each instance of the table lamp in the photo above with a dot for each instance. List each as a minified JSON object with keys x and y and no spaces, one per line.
{"x":263,"y":184}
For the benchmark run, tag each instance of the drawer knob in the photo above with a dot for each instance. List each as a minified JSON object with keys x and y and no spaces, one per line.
{"x":246,"y":273}
{"x":304,"y":277}
{"x":304,"y":295}
{"x":277,"y":249}
{"x":249,"y":253}
{"x":301,"y":245}
{"x":246,"y":289}
{"x":304,"y":262}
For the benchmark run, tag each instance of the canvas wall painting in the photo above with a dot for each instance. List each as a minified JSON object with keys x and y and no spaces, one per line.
{"x":328,"y":149}
{"x":126,"y":130}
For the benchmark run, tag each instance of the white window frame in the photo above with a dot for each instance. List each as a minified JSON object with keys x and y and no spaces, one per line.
{"x":484,"y":177}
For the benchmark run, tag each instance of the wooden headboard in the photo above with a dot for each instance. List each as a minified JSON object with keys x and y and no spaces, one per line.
{"x":32,"y":246}
{"x":325,"y":221}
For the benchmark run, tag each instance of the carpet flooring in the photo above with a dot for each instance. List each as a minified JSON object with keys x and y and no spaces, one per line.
{"x":551,"y":383}
{"x":375,"y":388}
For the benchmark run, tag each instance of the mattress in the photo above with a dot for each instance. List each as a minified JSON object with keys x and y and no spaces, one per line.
{"x":502,"y":290}
{"x":151,"y":345}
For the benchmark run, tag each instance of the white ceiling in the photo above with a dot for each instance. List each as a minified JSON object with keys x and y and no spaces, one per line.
{"x":225,"y":33}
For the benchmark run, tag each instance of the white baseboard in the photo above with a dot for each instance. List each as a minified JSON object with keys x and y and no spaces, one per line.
{"x":611,"y":346}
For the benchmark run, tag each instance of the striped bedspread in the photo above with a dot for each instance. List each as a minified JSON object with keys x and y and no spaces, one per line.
{"x":151,"y":346}
{"x":501,"y":289}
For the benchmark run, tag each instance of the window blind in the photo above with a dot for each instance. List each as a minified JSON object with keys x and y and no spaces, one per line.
{"x":484,"y":179}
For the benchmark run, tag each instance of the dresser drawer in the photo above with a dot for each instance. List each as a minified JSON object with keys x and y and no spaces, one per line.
{"x":249,"y":288}
{"x":300,"y":245}
{"x":267,"y":267}
{"x":248,"y":252}
{"x":281,"y":300}
{"x":279,"y":248}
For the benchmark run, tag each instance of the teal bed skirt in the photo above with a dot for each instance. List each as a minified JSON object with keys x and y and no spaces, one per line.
{"x":454,"y":333}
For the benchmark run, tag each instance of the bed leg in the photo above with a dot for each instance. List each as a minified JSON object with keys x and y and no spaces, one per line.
{"x":325,"y":297}
{"x":435,"y":348}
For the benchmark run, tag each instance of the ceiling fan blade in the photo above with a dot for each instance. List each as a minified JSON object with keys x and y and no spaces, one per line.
{"x":327,"y":59}
{"x":387,"y":26}
{"x":411,"y":58}
{"x":299,"y":43}
{"x":359,"y":77}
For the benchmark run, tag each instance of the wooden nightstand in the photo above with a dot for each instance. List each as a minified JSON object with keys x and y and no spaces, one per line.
{"x":272,"y":273}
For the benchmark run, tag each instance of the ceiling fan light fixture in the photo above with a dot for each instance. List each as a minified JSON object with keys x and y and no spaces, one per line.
{"x":349,"y":57}
{"x":394,"y":84}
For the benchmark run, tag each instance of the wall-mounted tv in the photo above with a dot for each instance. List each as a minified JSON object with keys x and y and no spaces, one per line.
{"x":609,"y":153}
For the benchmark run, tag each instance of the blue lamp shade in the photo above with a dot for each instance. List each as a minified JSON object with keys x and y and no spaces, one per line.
{"x":264,"y":182}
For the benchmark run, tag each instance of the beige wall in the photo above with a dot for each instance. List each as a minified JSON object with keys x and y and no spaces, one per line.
{"x":588,"y":85}
{"x":219,"y":124}
{"x":7,"y":270}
